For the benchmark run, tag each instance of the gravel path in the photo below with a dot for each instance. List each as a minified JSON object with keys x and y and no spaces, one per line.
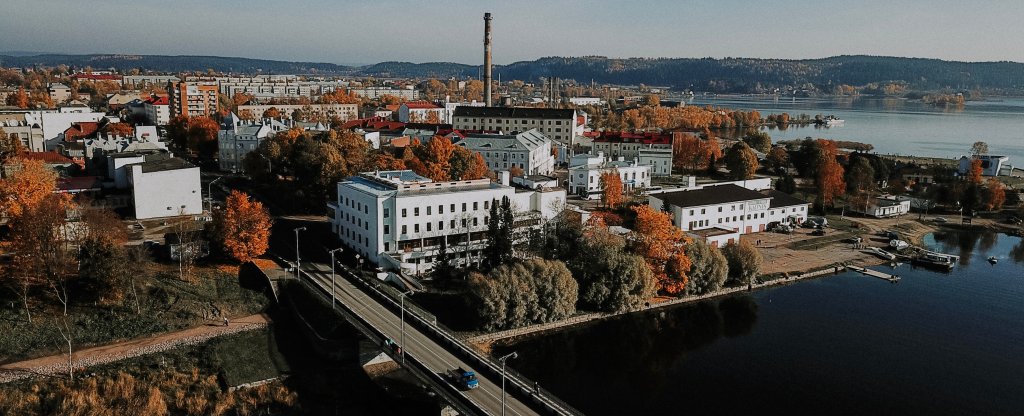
{"x":57,"y":365}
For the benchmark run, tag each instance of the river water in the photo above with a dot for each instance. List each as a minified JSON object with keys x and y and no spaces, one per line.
{"x":898,"y":126}
{"x":934,"y":343}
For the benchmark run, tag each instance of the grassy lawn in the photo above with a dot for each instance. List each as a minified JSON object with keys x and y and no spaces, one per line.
{"x":248,"y":357}
{"x":166,"y":303}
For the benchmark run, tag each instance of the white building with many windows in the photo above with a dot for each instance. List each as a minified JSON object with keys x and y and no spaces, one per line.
{"x":529,"y":151}
{"x":585,"y":178}
{"x":398,"y":219}
{"x":730,"y":207}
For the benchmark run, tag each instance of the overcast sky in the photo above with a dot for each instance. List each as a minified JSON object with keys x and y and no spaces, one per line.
{"x":368,"y":31}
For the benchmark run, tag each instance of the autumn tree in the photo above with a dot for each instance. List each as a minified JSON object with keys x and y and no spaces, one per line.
{"x":829,"y":178}
{"x":759,"y":141}
{"x":979,"y":148}
{"x":10,"y":146}
{"x":610,"y":278}
{"x":273,"y":113}
{"x":860,"y":175}
{"x":662,"y":245}
{"x":466,"y":165}
{"x":778,"y":159}
{"x":202,"y":136}
{"x":741,"y":161}
{"x":118,"y":129}
{"x":709,"y":270}
{"x":243,"y":227}
{"x":611,"y":189}
{"x":18,"y":99}
{"x":516,"y":172}
{"x":975,"y":172}
{"x":24,"y":189}
{"x":995,"y":194}
{"x":42,"y":244}
{"x":744,"y":261}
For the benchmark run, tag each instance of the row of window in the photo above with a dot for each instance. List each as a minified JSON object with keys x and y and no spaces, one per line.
{"x":358,"y":206}
{"x":440,"y":225}
{"x":440,"y":209}
{"x":530,"y":122}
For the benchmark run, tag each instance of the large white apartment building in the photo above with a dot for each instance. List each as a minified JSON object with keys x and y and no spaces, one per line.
{"x":407,"y":94}
{"x":529,"y":151}
{"x":398,"y":219}
{"x":345,"y":112}
{"x":585,"y":177}
{"x":560,"y":125}
{"x":729,"y":207}
{"x":165,"y":188}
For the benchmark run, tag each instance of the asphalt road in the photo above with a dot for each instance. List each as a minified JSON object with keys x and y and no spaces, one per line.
{"x":417,"y":344}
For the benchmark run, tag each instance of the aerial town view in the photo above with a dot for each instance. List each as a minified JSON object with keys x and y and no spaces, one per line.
{"x":511,"y":208}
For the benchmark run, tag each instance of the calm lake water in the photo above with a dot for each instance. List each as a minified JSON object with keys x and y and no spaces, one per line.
{"x":935,"y":343}
{"x":899,"y":126}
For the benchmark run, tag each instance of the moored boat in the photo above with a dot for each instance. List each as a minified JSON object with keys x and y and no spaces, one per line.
{"x":935,"y":260}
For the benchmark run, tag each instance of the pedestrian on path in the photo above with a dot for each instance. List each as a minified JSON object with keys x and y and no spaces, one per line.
{"x":225,"y":321}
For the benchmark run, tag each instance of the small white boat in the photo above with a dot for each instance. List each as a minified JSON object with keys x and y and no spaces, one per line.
{"x":833,"y":121}
{"x":899,"y":245}
{"x":993,"y":260}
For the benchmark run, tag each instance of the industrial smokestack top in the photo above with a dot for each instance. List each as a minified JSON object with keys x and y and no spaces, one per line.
{"x":487,"y":59}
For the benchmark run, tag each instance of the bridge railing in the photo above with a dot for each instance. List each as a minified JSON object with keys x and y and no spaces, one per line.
{"x":521,"y":384}
{"x":455,"y":397}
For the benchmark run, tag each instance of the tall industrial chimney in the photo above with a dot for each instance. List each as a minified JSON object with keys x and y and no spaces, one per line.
{"x":487,"y":59}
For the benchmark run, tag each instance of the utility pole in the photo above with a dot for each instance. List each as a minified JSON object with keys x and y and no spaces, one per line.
{"x":297,"y":276}
{"x":334,"y":287}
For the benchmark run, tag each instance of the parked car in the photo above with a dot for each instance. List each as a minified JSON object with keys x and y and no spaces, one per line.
{"x":939,"y":220}
{"x":818,"y":231}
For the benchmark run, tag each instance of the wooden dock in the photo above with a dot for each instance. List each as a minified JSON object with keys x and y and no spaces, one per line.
{"x":875,"y":273}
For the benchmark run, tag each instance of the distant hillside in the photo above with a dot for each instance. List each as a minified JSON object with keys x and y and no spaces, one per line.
{"x":165,"y":63}
{"x":701,"y":74}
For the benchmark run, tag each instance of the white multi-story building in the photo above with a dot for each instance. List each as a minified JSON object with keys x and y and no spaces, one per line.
{"x":585,"y":178}
{"x":586,"y":101}
{"x":58,"y":92}
{"x":529,"y":151}
{"x":729,"y":207}
{"x":561,"y":125}
{"x":407,"y":94}
{"x":398,"y":219}
{"x":165,"y":188}
{"x":138,"y":81}
{"x":345,"y":112}
{"x":653,"y":149}
{"x":26,"y":128}
{"x":884,"y":206}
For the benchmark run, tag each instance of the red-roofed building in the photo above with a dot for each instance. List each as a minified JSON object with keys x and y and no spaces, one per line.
{"x":654,"y":149}
{"x":373,"y":124}
{"x":420,"y":112}
{"x":53,"y":160}
{"x":158,"y":110}
{"x":81,"y":131}
{"x":79,"y":184}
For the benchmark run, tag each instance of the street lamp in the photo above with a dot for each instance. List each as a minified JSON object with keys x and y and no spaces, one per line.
{"x":297,"y":276}
{"x":333,"y":286}
{"x":401,"y":298}
{"x":209,"y":191}
{"x":502,"y":359}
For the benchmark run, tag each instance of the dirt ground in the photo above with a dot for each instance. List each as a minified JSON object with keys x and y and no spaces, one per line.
{"x":780,"y":255}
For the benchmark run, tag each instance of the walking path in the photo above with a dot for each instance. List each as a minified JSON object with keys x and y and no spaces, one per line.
{"x":57,"y":365}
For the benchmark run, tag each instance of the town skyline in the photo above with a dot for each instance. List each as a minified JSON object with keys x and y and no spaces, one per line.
{"x":781,"y":30}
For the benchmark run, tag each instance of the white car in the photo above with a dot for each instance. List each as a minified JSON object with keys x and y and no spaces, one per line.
{"x":939,"y":219}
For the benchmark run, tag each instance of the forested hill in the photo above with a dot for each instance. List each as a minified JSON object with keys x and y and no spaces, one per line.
{"x":701,"y":74}
{"x":166,"y":63}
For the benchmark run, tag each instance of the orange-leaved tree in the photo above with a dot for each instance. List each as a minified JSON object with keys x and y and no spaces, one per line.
{"x":662,"y":245}
{"x":611,"y":185}
{"x":974,"y":175}
{"x":118,"y":129}
{"x":244,"y":227}
{"x":830,"y":180}
{"x":24,"y":189}
{"x":995,"y":194}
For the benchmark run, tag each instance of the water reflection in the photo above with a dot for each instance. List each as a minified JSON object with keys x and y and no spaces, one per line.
{"x":636,"y":353}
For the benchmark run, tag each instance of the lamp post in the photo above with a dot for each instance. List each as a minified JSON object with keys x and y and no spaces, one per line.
{"x":401,"y":298}
{"x":297,"y":276}
{"x":209,"y":191}
{"x":359,"y":269}
{"x":333,"y":286}
{"x":502,"y":359}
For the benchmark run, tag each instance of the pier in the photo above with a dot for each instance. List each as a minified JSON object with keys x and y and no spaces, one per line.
{"x":875,"y":273}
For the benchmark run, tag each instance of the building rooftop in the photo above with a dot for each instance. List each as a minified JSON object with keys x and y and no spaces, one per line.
{"x":513,"y":112}
{"x":627,"y":137}
{"x":528,"y":140}
{"x":712,"y":232}
{"x":712,"y":195}
{"x":161,"y":165}
{"x":782,"y":199}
